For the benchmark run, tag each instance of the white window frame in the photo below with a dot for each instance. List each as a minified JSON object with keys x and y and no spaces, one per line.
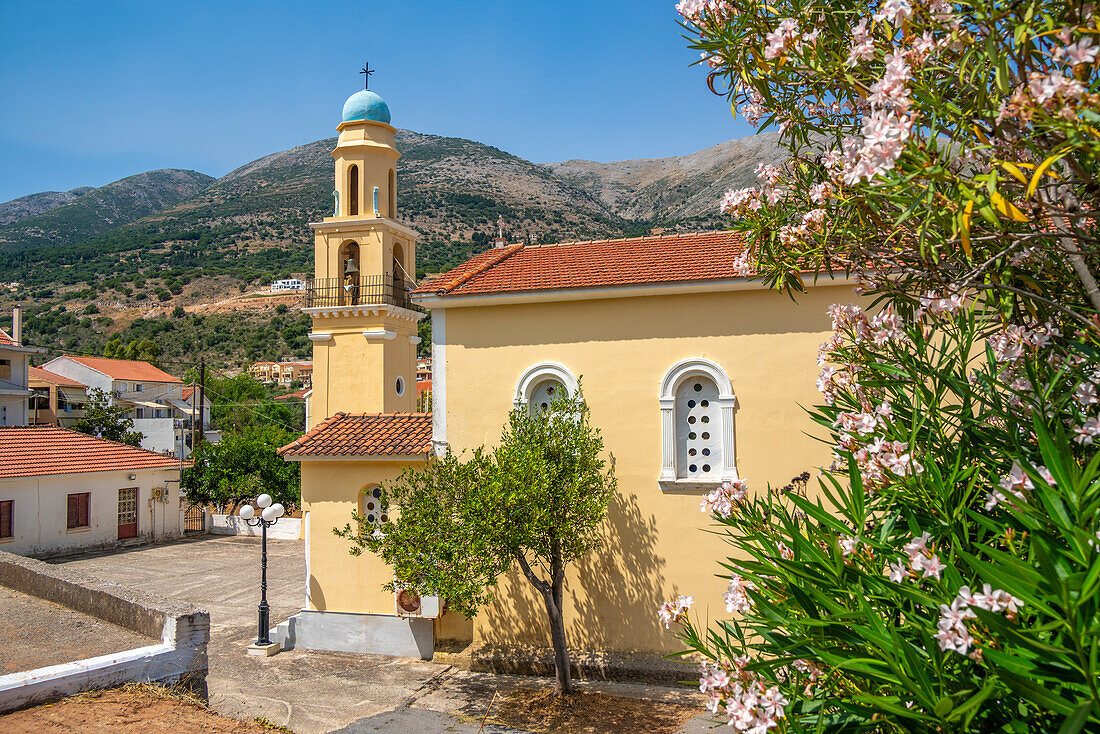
{"x":727,"y":403}
{"x":539,"y":372}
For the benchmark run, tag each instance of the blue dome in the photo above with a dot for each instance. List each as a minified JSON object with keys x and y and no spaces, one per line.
{"x":366,"y":105}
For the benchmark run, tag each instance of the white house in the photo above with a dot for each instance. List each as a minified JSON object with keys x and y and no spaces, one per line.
{"x":160,"y":404}
{"x":288,"y":284}
{"x":63,"y":491}
{"x":14,"y":363}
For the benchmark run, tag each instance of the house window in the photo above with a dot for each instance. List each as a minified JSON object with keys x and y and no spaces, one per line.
{"x":139,"y":413}
{"x":137,"y":387}
{"x":697,"y":406}
{"x":5,"y":369}
{"x":7,"y":513}
{"x":78,"y":510}
{"x":542,"y":383}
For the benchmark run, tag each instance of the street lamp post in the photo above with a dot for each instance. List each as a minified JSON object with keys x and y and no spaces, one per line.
{"x":269,"y":515}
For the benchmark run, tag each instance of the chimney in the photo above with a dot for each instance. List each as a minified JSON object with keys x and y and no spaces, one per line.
{"x":17,"y":324}
{"x":500,"y":242}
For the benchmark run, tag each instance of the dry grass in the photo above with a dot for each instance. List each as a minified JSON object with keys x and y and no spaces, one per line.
{"x":539,"y":711}
{"x":131,"y":709}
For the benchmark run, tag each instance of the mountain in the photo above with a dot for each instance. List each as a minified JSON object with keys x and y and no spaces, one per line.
{"x":178,"y":252}
{"x":673,"y":189}
{"x":102,"y":209}
{"x":31,"y":204}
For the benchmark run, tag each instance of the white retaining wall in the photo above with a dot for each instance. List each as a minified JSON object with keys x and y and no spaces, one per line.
{"x":288,"y":528}
{"x":180,"y":657}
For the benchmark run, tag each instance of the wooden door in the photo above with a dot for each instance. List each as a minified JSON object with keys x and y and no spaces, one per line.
{"x":127,"y":513}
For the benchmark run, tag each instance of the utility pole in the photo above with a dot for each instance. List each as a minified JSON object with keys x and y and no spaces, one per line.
{"x":202,"y":395}
{"x":194,"y":402}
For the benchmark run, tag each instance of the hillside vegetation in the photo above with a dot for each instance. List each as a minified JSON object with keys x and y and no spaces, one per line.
{"x":117,"y":261}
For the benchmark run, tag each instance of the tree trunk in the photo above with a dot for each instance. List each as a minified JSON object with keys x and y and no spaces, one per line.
{"x":552,"y":597}
{"x":564,"y":685}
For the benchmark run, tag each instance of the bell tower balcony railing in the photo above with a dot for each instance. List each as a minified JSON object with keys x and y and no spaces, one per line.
{"x":358,"y":291}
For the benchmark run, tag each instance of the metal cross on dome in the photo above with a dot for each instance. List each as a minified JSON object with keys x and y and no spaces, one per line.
{"x":366,"y":71}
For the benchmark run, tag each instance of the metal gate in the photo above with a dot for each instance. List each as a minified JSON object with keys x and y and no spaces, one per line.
{"x":194,"y":519}
{"x":127,"y":513}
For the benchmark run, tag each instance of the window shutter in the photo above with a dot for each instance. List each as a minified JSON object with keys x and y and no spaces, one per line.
{"x":74,"y":514}
{"x":6,"y":519}
{"x":83,"y":509}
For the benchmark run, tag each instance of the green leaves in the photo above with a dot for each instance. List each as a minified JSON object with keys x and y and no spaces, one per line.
{"x":460,"y":522}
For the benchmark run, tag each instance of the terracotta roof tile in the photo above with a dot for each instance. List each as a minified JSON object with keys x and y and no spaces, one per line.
{"x":366,"y":434}
{"x":125,"y":369}
{"x":37,"y":373}
{"x":594,"y":264}
{"x":32,"y":451}
{"x":4,"y":338}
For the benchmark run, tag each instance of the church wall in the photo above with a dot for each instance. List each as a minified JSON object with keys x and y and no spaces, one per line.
{"x":654,"y":546}
{"x":338,"y":581}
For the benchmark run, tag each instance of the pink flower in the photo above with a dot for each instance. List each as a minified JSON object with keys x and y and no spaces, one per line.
{"x":721,"y":501}
{"x":736,"y":597}
{"x":1081,"y":52}
{"x":898,"y":572}
{"x":674,"y":611}
{"x":1086,"y":394}
{"x":781,"y":39}
{"x":893,"y":10}
{"x":863,"y":45}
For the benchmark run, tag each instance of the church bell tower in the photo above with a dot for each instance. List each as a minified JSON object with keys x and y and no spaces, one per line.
{"x":364,"y":326}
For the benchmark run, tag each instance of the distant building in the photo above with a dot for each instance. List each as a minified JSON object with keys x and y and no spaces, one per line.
{"x":56,"y":400}
{"x":283,"y":373}
{"x":158,"y":405}
{"x":14,"y":363}
{"x":288,"y":284}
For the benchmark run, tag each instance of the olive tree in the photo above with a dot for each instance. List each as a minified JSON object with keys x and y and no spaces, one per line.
{"x":534,"y":502}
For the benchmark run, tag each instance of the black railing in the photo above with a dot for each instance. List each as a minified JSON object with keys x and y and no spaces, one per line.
{"x":368,"y":290}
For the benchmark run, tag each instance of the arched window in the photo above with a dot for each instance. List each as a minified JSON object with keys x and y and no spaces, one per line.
{"x":400,"y":293}
{"x":393,"y":195}
{"x":349,"y":274}
{"x":353,"y":190}
{"x":697,"y":446}
{"x":541,"y":383}
{"x":370,"y":505}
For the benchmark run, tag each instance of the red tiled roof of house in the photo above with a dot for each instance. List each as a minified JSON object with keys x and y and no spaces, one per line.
{"x":366,"y":434}
{"x":33,"y":451}
{"x":299,"y":394}
{"x":37,"y":373}
{"x":126,"y":369}
{"x":4,"y":338}
{"x":594,"y":264}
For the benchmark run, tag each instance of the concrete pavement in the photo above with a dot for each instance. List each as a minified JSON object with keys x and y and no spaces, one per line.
{"x":312,"y":692}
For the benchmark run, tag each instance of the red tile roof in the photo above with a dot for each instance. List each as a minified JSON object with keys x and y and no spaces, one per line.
{"x":594,"y":264}
{"x":33,"y":451}
{"x":4,"y":338}
{"x":299,"y":394}
{"x":125,"y":369}
{"x":366,"y":434}
{"x":37,"y":373}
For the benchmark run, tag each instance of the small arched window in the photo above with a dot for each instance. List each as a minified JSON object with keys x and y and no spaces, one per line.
{"x":371,"y":508}
{"x":542,"y":383}
{"x":353,"y":190}
{"x":697,"y":406}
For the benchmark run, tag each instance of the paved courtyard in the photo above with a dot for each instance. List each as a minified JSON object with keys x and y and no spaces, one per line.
{"x":309,"y":692}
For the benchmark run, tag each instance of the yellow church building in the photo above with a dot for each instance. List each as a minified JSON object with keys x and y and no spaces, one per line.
{"x":694,"y":374}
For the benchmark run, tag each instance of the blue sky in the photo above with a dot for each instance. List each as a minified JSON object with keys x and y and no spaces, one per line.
{"x":95,"y":91}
